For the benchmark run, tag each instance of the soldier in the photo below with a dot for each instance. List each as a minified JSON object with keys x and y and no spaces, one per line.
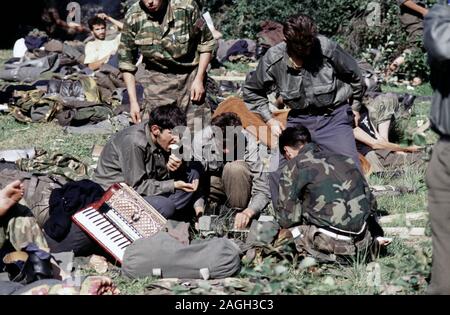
{"x":176,"y":46}
{"x":315,"y":78}
{"x":140,"y":156}
{"x":17,"y":224}
{"x":326,"y":197}
{"x":240,"y":180}
{"x":436,"y":40}
{"x":412,"y":13}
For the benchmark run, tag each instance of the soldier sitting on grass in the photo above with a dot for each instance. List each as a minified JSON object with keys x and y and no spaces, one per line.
{"x":18,"y":227}
{"x":326,"y":201}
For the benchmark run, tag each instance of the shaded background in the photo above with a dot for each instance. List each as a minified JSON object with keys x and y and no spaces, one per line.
{"x":19,"y":17}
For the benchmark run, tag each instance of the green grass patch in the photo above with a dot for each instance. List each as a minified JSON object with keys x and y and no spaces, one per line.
{"x":48,"y":136}
{"x":424,"y":89}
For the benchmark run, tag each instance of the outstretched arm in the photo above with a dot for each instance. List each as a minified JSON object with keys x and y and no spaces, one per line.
{"x":415,"y":7}
{"x":380,"y":144}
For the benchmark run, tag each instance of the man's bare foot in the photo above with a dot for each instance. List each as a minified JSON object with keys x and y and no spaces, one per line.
{"x":98,"y":285}
{"x":10,"y":195}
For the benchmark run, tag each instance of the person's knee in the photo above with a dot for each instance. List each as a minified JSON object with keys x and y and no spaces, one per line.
{"x":163,"y":205}
{"x":236,"y":168}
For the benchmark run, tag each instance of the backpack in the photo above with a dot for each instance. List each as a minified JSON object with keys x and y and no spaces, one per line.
{"x":38,"y":188}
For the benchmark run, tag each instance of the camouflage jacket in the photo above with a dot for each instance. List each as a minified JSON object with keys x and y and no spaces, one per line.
{"x":323,"y":189}
{"x":176,"y":43}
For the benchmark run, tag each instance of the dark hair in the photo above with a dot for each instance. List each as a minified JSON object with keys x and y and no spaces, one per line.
{"x":293,"y":137}
{"x":226,"y":119}
{"x":95,"y":20}
{"x":167,"y":117}
{"x":300,"y":32}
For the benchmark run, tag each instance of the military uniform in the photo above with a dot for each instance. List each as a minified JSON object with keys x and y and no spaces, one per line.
{"x":317,"y":94}
{"x":20,"y":228}
{"x":242,"y":182}
{"x":131,"y":157}
{"x":412,"y":22}
{"x":436,"y":41}
{"x":325,"y":194}
{"x":171,"y":53}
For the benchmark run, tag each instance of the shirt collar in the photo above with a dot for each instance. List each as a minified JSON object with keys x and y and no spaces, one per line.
{"x":153,"y":146}
{"x":308,"y":147}
{"x":169,"y":17}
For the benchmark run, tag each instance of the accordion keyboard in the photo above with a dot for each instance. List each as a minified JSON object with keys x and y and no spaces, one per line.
{"x":101,"y":229}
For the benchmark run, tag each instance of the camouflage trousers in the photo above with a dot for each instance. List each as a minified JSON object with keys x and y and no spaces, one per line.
{"x":412,"y":23}
{"x":168,"y":88}
{"x":314,"y":242}
{"x":20,"y":229}
{"x":384,"y":159}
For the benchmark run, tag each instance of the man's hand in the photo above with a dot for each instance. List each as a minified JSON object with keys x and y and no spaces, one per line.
{"x":276,"y":126}
{"x":103,"y":16}
{"x":243,"y":218}
{"x":197,"y":90}
{"x":10,"y":195}
{"x":135,"y":113}
{"x":174,"y":163}
{"x":357,"y":117}
{"x":187,"y":187}
{"x":413,"y":148}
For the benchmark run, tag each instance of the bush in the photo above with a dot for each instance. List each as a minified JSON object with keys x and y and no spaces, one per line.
{"x":330,"y":15}
{"x":344,"y":20}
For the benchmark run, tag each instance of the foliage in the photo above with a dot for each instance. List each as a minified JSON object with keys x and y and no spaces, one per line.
{"x":330,"y":15}
{"x":344,"y":20}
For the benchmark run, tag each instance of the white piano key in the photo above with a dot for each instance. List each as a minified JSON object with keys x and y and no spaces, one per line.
{"x":113,"y":241}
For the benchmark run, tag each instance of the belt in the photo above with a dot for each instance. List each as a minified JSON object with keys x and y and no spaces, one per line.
{"x":171,"y":70}
{"x":313,"y":111}
{"x":335,"y":236}
{"x":296,"y":233}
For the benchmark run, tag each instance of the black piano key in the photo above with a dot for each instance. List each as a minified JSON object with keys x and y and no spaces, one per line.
{"x":102,"y":223}
{"x":111,"y":227}
{"x":93,"y":214}
{"x":112,"y":232}
{"x":124,"y":242}
{"x":98,"y":220}
{"x":116,"y":238}
{"x":89,"y":211}
{"x":107,"y":227}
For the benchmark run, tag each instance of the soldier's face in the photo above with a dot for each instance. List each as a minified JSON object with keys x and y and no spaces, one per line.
{"x":290,"y":152}
{"x":153,"y":5}
{"x":99,"y":31}
{"x":165,"y":137}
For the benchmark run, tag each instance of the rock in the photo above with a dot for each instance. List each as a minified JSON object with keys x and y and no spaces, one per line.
{"x":307,"y":262}
{"x":98,"y":263}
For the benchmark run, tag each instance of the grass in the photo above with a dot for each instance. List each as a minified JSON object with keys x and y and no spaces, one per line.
{"x":402,"y":270}
{"x":421,"y":90}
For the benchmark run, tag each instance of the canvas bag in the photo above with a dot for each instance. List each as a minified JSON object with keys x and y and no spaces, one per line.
{"x":164,"y":256}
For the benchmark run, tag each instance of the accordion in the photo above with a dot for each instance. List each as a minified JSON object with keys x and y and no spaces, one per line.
{"x":118,"y":219}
